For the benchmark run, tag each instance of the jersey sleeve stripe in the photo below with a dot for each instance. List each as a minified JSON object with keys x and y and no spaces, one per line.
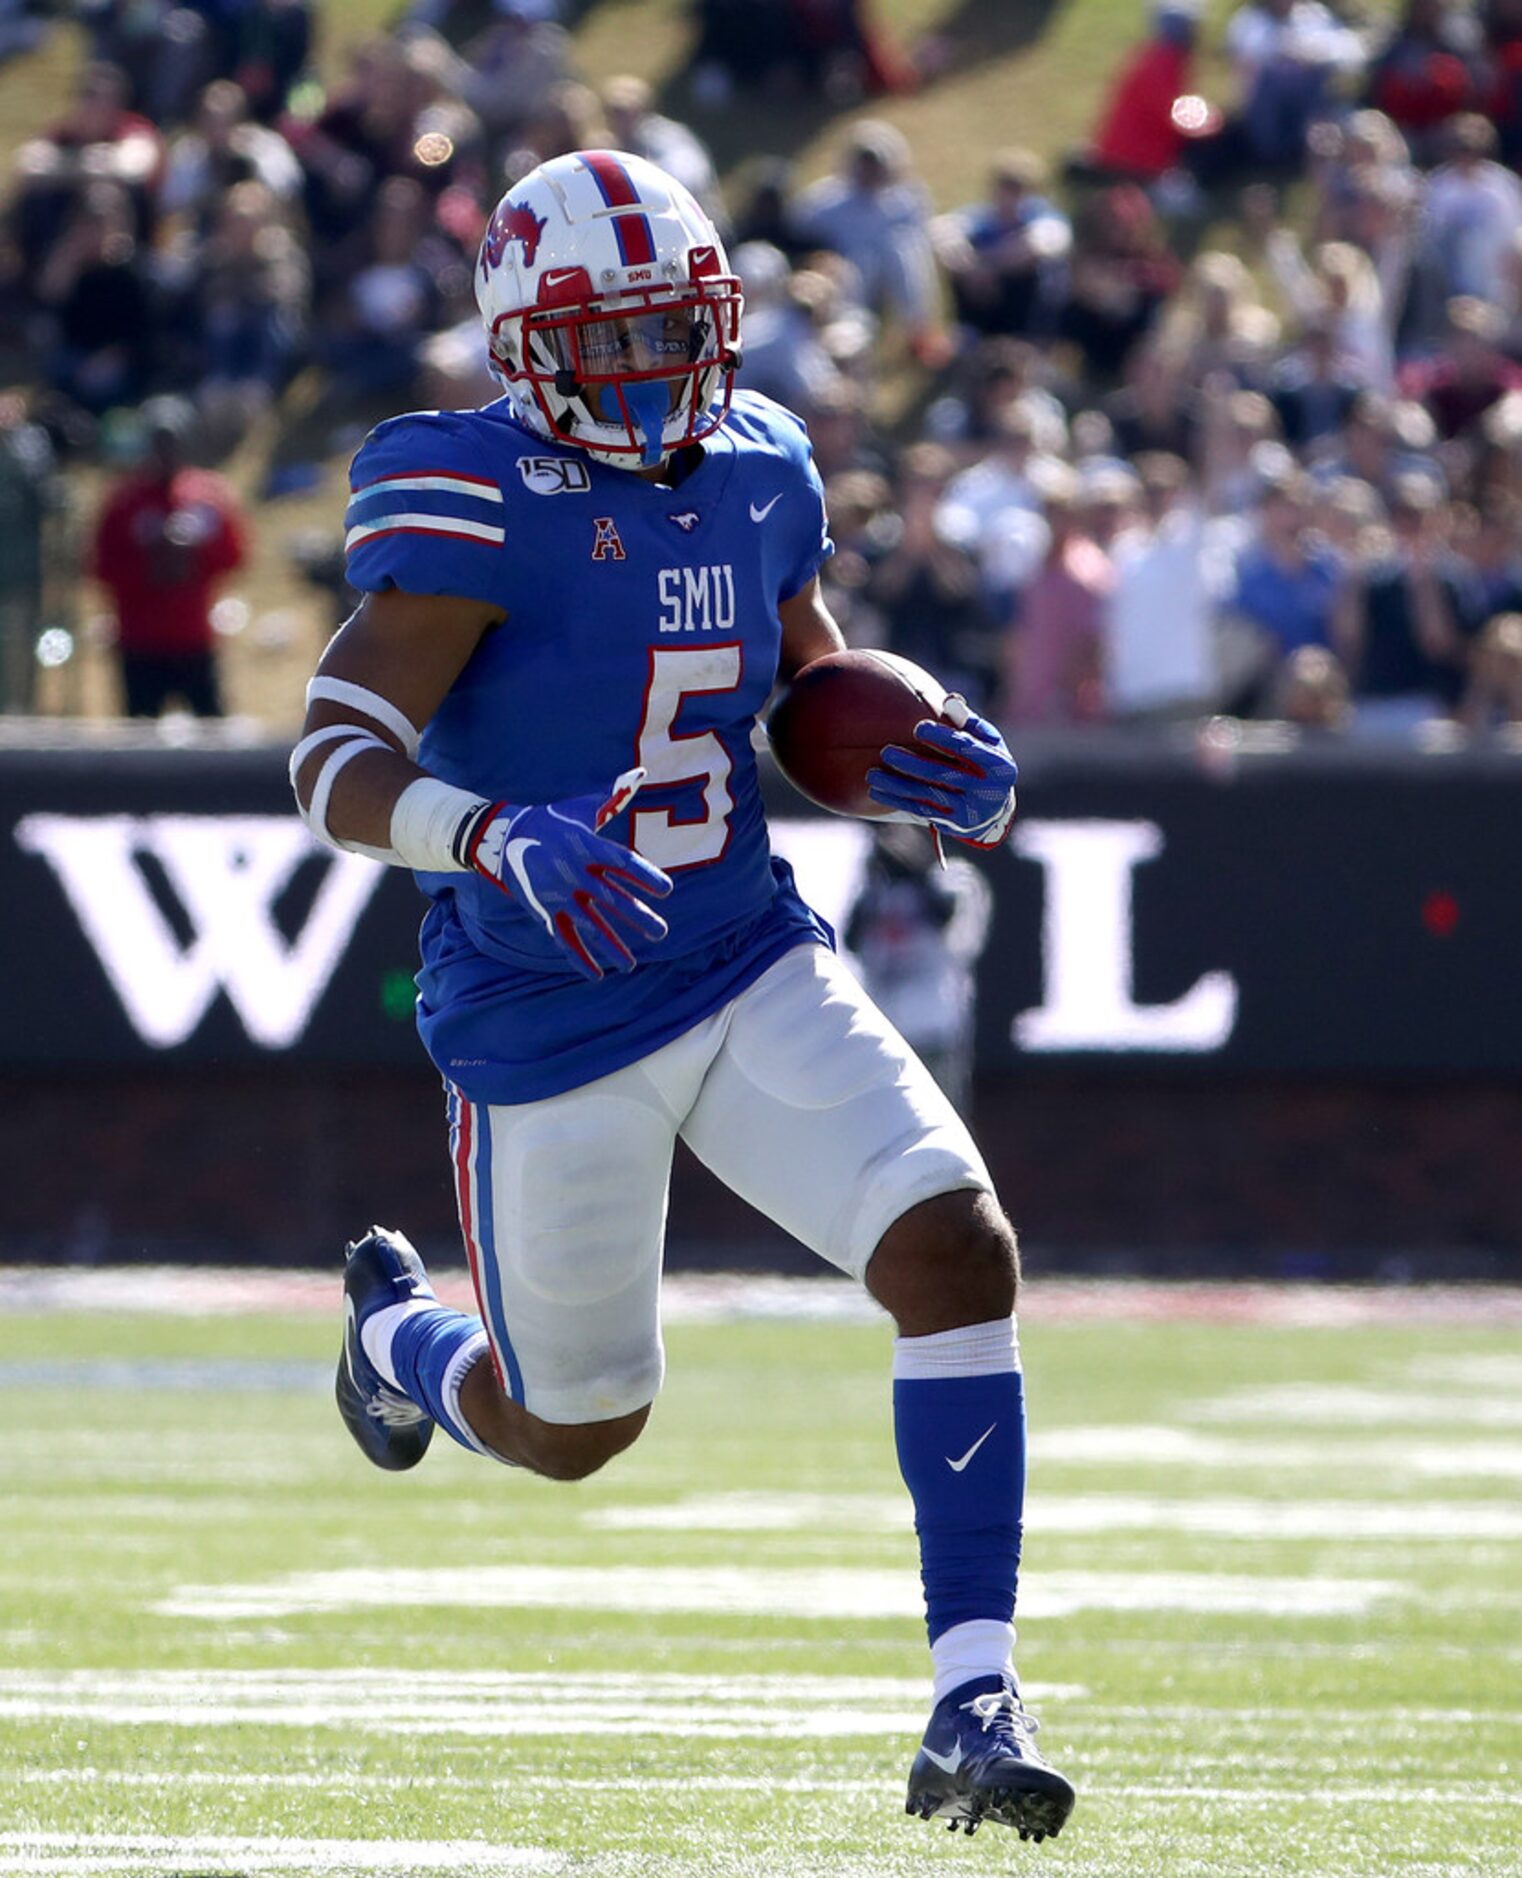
{"x":378,"y":504}
{"x":449,"y":525}
{"x":480,"y":487}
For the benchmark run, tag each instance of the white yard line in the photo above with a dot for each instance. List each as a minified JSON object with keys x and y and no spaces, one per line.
{"x":484,"y":1705}
{"x":181,"y":1375}
{"x":200,"y":1291}
{"x":1310,"y":1792}
{"x":1345,"y":1405}
{"x":1158,"y":1445}
{"x":836,"y":1594}
{"x":92,"y":1852}
{"x":1484,"y":1370}
{"x":1097,"y":1790}
{"x":1236,"y":1518}
{"x":476,"y":1691}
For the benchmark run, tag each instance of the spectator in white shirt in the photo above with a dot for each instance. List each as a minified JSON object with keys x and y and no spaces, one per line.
{"x":1169,"y":569}
{"x":995,"y":507}
{"x":876,"y":213}
{"x":1286,"y":53}
{"x":1338,"y":287}
{"x":1472,"y":216}
{"x":222,"y":148}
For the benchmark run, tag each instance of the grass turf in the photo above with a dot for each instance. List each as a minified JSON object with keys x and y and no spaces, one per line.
{"x":147,"y":1727}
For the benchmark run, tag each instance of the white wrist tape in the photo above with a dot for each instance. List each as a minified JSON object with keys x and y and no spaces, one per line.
{"x":429,"y":824}
{"x":362,"y":698}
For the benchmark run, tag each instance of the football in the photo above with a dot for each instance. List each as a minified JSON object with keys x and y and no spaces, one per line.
{"x":829,"y":726}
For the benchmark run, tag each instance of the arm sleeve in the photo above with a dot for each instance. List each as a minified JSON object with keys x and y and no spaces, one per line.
{"x":426,"y":514}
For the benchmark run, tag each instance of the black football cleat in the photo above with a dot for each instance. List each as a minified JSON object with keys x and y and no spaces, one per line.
{"x":979,"y":1761}
{"x":391,"y":1429}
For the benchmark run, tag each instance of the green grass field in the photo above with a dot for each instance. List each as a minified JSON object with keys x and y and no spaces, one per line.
{"x":1270,"y":1616}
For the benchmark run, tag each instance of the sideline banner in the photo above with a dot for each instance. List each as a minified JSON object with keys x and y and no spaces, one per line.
{"x":1317,"y":911}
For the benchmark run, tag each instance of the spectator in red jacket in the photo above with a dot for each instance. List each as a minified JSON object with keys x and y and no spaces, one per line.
{"x":166,"y":536}
{"x":1428,"y":71}
{"x":1461,"y":382}
{"x":1139,"y":136}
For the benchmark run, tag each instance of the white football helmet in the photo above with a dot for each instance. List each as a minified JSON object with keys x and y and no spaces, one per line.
{"x":610,"y":311}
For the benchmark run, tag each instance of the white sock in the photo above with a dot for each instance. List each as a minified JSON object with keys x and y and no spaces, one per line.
{"x":982,"y":1647}
{"x":990,"y":1349}
{"x":379,"y":1329}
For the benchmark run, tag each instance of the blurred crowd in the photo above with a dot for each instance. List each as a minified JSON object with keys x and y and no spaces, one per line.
{"x":1220,"y":414}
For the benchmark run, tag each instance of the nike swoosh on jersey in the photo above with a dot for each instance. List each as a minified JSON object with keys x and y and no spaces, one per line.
{"x":513,"y":854}
{"x":957,"y":1466}
{"x":760,"y":515}
{"x":948,"y":1763}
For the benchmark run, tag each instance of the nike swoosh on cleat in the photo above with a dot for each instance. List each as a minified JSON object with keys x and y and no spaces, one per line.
{"x":351,"y":1338}
{"x":948,"y":1763}
{"x":760,"y":515}
{"x":957,"y":1466}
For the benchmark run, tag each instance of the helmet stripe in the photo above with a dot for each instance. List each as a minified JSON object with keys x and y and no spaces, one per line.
{"x":636,"y":242}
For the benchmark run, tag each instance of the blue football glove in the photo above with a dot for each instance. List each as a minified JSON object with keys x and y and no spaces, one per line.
{"x":969,"y":792}
{"x":552,"y":860}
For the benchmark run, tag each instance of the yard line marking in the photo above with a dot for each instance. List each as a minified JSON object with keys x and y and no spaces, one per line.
{"x":181,"y":1374}
{"x":1485,"y":1370}
{"x":1239,"y":1517}
{"x":761,"y":1707}
{"x":81,"y":1852}
{"x":1109,"y":1445}
{"x":1122,"y":1716}
{"x":1342,"y":1404}
{"x":197,"y":1291}
{"x":1096,"y":1788}
{"x":1319,"y":1793}
{"x":836,"y":1594}
{"x":343,"y":1781}
{"x":759,"y":1512}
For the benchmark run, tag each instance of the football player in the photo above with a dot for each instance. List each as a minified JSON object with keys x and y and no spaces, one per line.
{"x":577,"y":601}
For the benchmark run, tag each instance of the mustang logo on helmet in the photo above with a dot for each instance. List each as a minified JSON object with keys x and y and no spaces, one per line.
{"x":511,"y":222}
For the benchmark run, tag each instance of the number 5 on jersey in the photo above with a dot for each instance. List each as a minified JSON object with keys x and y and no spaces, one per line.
{"x":671,"y":756}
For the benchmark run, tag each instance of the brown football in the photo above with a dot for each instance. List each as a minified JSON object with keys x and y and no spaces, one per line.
{"x":829,"y":726}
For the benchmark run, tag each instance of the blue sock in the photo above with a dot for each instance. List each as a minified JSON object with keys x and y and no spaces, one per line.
{"x":430,"y":1352}
{"x":959,"y":1422}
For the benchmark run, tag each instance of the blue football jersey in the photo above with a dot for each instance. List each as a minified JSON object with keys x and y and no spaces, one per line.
{"x":641,"y":628}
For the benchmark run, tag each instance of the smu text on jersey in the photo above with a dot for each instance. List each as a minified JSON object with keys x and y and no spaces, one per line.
{"x":697,"y":599}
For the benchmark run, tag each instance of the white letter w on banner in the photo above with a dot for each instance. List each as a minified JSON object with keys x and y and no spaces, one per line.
{"x":228,"y":872}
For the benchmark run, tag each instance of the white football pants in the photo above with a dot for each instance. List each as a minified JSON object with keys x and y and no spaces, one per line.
{"x":798,"y":1094}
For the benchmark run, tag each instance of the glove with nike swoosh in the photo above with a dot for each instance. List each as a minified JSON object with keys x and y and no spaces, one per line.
{"x":552,"y":860}
{"x":969,"y":793}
